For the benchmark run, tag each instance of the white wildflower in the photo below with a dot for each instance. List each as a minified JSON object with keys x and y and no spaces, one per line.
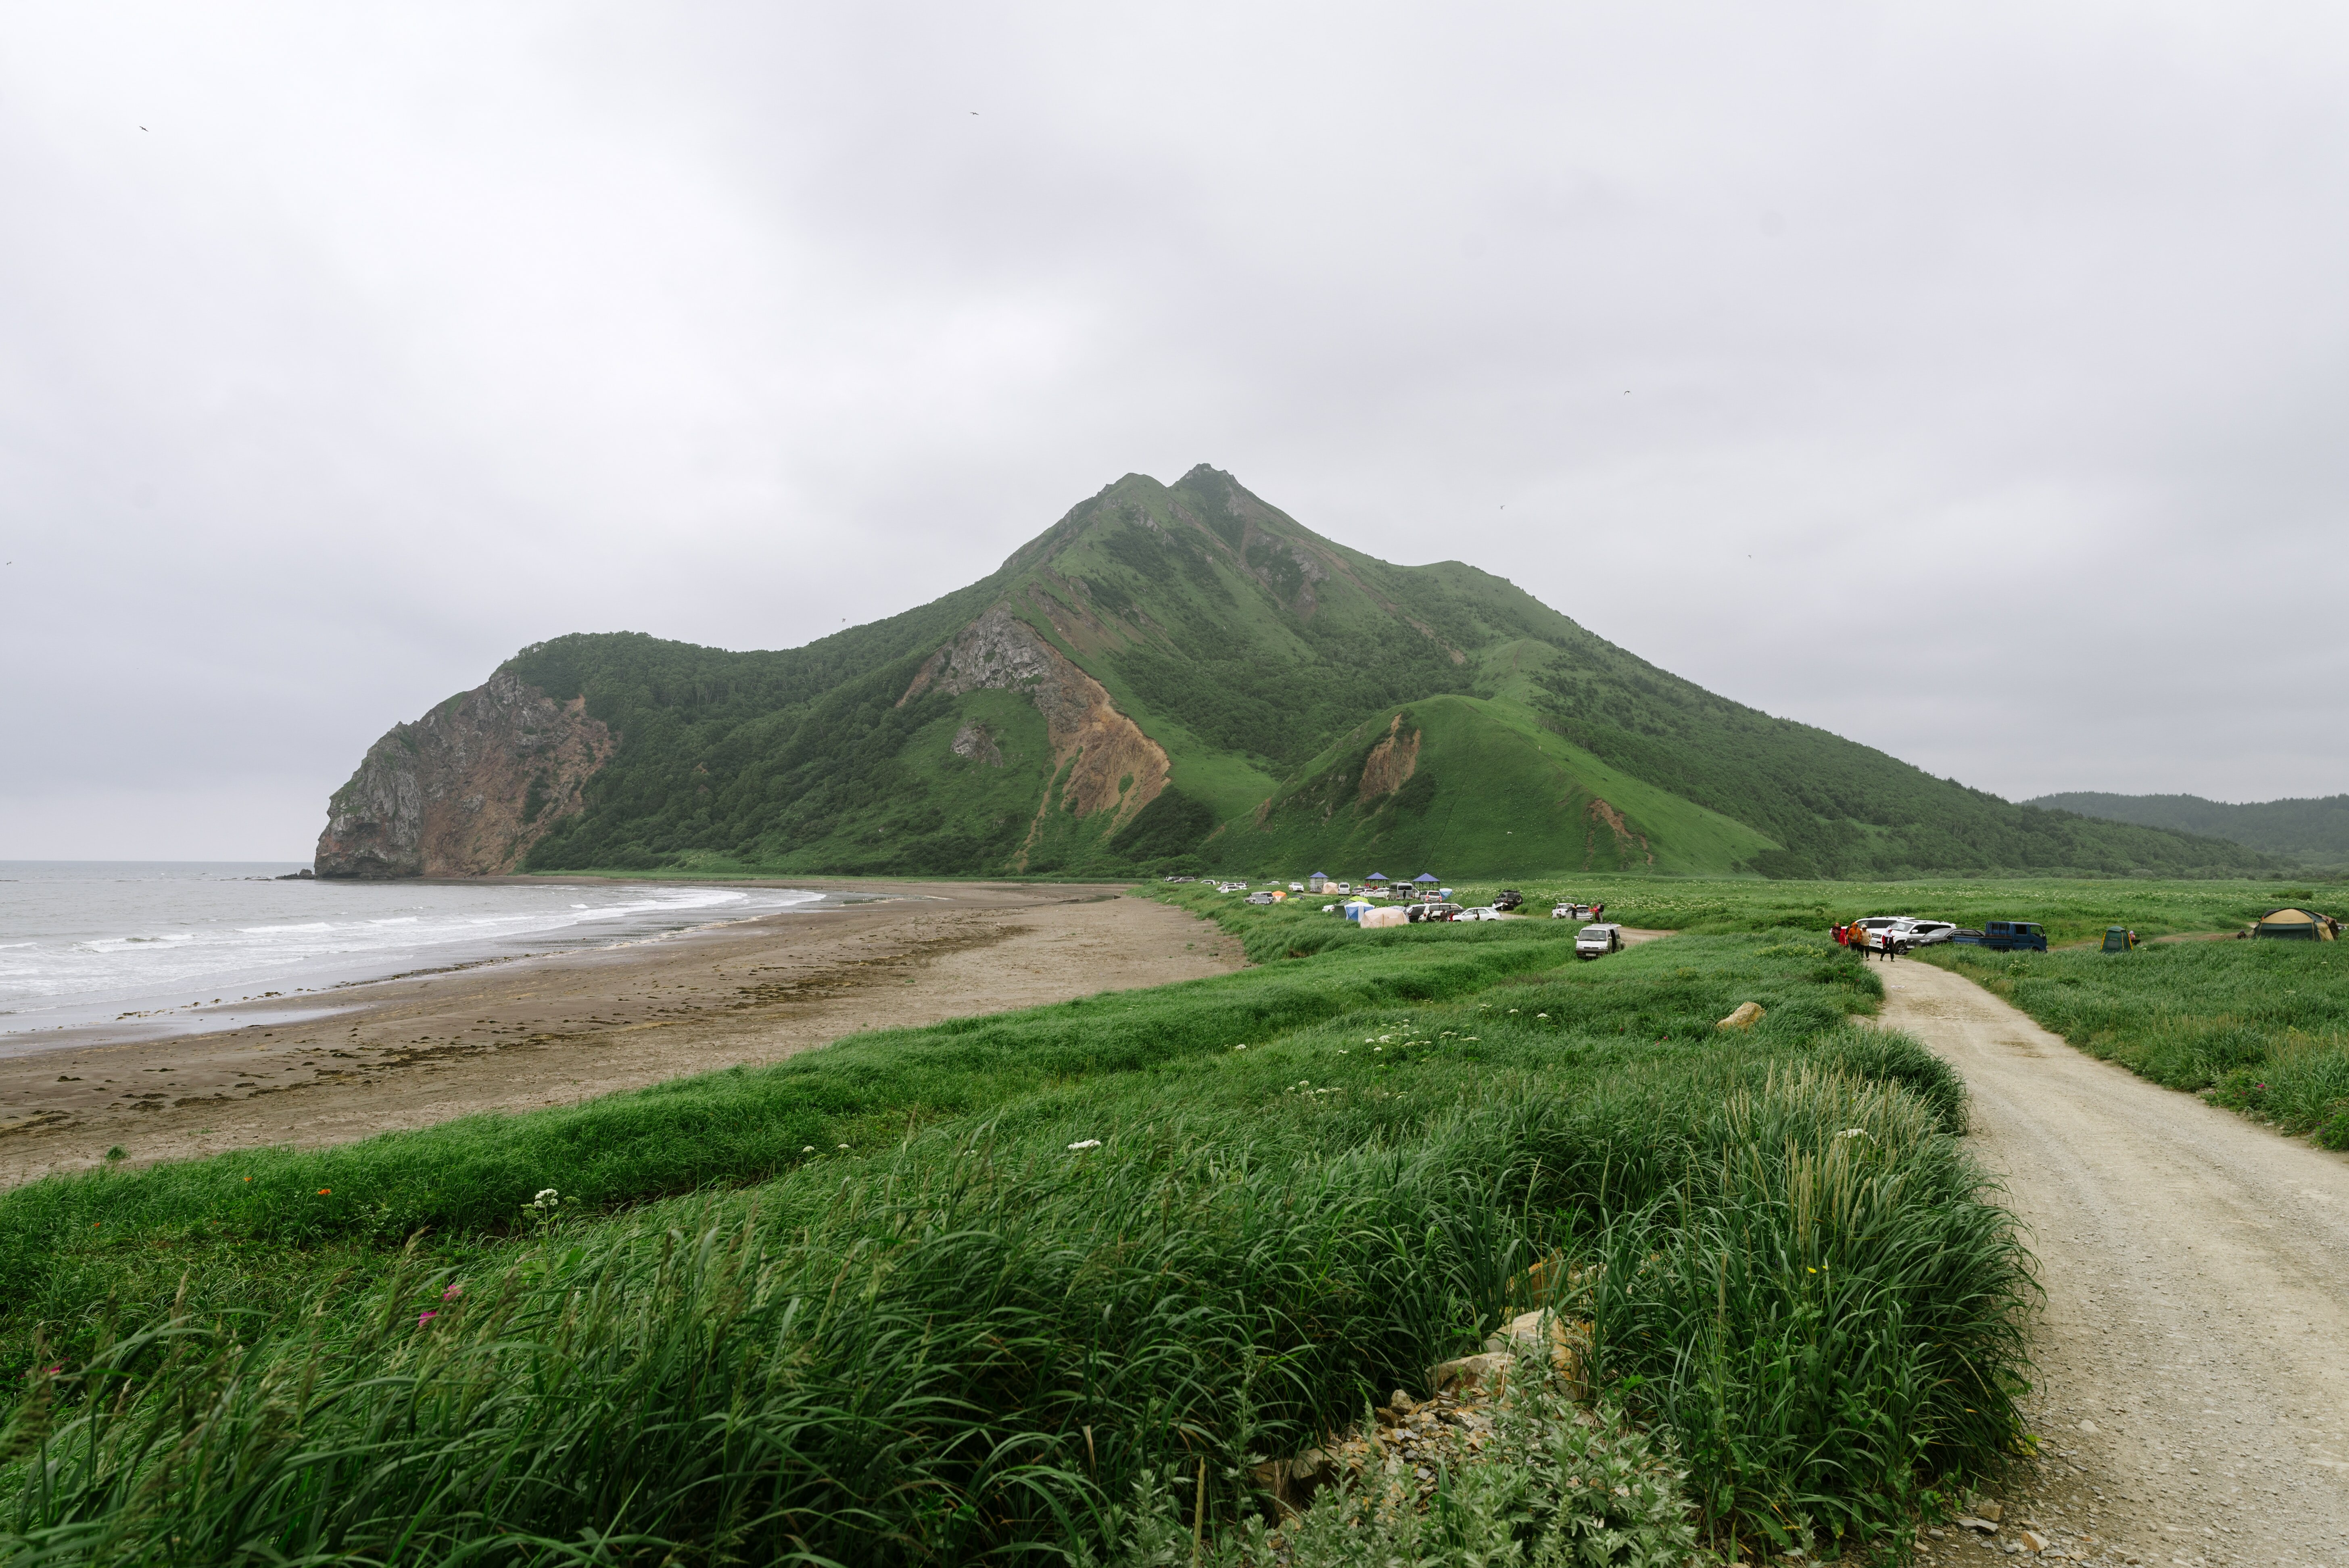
{"x":1086,"y":1143}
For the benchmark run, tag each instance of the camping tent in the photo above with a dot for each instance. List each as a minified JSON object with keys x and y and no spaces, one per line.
{"x":2119,"y":939}
{"x":1354,"y":909}
{"x":2295,"y":924}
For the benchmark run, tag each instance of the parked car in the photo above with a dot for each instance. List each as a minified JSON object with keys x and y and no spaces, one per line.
{"x":1182,"y":878}
{"x":1231,"y":887}
{"x":1297,"y":887}
{"x":1597,"y":940}
{"x":1480,"y":913}
{"x":1566,"y":912}
{"x":1262,"y":897}
{"x":1435,"y":912}
{"x":1871,"y":931}
{"x":1507,"y":897}
{"x":1926,"y":933}
{"x":2006,"y":936}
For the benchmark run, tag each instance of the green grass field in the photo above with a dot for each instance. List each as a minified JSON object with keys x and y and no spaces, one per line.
{"x":2260,"y":1027}
{"x":934,"y":1294}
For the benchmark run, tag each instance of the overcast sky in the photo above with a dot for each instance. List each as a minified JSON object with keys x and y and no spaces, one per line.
{"x":1971,"y":380}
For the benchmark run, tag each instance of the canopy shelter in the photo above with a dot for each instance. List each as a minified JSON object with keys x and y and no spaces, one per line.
{"x":2294,"y":926}
{"x":1426,"y":877}
{"x":1376,"y":876}
{"x":1316,"y":881}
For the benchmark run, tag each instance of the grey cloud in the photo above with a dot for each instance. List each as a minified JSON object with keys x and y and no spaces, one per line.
{"x":1986,"y":365}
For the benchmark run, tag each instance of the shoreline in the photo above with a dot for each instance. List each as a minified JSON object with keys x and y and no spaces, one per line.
{"x":520,"y":1033}
{"x":178,"y":1022}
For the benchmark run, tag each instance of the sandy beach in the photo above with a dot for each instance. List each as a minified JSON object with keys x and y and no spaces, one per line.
{"x":532,"y":1032}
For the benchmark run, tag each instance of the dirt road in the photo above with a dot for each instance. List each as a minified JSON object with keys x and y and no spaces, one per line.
{"x":2193,"y":1365}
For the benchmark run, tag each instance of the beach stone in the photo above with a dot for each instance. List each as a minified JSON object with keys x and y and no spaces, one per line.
{"x":1993,"y":1511}
{"x":1975,"y":1521}
{"x":1745,"y":1016}
{"x":2032,"y":1541}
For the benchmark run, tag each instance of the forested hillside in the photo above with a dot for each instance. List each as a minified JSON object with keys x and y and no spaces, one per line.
{"x":1185,"y":677}
{"x":2315,"y":832}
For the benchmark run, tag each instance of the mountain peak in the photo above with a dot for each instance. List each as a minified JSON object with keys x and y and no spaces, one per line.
{"x":1172,"y":674}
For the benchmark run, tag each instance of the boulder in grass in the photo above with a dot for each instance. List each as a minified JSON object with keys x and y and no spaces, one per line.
{"x":1485,"y":1374}
{"x":1291,"y":1483}
{"x":1560,"y":1338}
{"x":1747,"y":1014}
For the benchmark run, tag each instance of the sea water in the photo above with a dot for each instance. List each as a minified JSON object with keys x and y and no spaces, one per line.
{"x":146,"y":944}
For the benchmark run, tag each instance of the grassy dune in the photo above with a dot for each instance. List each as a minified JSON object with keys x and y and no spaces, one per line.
{"x":975,"y":1330}
{"x":2260,"y":1027}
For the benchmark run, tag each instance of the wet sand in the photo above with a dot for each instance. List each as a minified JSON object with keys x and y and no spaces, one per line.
{"x":532,"y":1032}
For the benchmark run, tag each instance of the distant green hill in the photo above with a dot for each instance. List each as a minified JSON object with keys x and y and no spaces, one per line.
{"x":1176,"y":677}
{"x":2312,"y":831}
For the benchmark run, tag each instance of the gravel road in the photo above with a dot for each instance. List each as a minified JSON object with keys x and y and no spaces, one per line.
{"x":2193,"y":1361}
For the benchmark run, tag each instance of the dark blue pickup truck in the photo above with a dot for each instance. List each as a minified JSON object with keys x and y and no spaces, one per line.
{"x":2005,"y":936}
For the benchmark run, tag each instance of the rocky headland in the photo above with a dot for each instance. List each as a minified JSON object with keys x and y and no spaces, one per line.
{"x":468,"y":788}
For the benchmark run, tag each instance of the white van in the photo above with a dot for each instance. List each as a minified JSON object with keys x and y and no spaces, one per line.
{"x":1597,"y":940}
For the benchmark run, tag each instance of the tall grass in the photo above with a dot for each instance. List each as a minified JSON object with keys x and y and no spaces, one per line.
{"x":967,"y":1343}
{"x":1828,"y":1315}
{"x":2261,"y":1026}
{"x":67,"y":1242}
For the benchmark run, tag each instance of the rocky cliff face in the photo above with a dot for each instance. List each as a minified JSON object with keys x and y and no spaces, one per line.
{"x":467,"y":790}
{"x":1117,"y":766}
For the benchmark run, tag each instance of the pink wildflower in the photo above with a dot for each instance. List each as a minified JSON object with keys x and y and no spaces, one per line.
{"x":452,"y":1292}
{"x":425,"y":1317}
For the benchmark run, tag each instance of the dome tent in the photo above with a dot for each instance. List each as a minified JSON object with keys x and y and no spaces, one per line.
{"x":2295,"y":924}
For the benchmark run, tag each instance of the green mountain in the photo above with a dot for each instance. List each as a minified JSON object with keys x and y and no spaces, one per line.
{"x":1174,"y":678}
{"x":2315,"y":832}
